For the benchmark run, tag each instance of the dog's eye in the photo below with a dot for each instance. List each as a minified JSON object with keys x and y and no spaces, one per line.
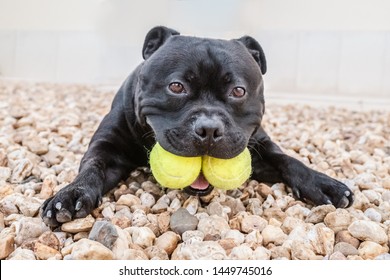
{"x":177,"y":88}
{"x":238,"y":92}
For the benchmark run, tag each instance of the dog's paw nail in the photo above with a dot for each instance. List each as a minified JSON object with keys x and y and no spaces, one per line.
{"x":344,"y":202}
{"x":347,"y":193}
{"x":49,"y":214}
{"x":58,"y":205}
{"x":63,"y":216}
{"x":78,"y":205}
{"x":297,"y":193}
{"x":329,"y":202}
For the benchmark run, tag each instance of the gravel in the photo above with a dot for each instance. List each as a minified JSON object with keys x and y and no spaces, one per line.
{"x":45,"y":130}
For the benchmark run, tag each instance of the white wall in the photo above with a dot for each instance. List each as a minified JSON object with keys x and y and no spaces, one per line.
{"x":314,"y":47}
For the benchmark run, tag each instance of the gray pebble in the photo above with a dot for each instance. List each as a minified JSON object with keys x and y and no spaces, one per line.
{"x":182,"y":221}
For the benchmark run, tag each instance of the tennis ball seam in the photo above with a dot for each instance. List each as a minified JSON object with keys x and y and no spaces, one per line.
{"x":219,"y":177}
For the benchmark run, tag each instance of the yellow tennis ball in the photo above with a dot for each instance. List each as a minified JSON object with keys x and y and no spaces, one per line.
{"x":227,"y":174}
{"x":172,"y":171}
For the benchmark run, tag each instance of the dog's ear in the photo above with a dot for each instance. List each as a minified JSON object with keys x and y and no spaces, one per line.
{"x":155,"y":39}
{"x":257,"y":52}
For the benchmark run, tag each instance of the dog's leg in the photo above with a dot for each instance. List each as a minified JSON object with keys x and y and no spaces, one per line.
{"x":271,"y":165}
{"x":110,"y":157}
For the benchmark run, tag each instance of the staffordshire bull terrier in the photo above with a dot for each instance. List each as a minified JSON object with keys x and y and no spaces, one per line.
{"x":195,"y":96}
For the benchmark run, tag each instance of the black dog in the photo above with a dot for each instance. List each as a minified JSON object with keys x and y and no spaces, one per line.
{"x":196,"y":96}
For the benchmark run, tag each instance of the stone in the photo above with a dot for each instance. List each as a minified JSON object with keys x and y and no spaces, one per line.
{"x":234,"y":205}
{"x":5,"y":190}
{"x":147,"y":199}
{"x":28,"y":228}
{"x":321,"y":239}
{"x":317,"y":214}
{"x":290,"y":223}
{"x":133,"y":254}
{"x":274,"y":222}
{"x":182,"y":221}
{"x":163,"y":221}
{"x":269,"y":202}
{"x":192,"y":204}
{"x":86,"y":249}
{"x":50,"y":239}
{"x":383,"y":257}
{"x":22,"y":254}
{"x":2,"y":225}
{"x":241,"y":252}
{"x":227,"y":244}
{"x":205,"y":250}
{"x":298,"y":211}
{"x":254,"y":207}
{"x":338,"y":220}
{"x":156,"y":253}
{"x":28,"y":206}
{"x":122,"y":218}
{"x":274,"y":212}
{"x":302,"y":251}
{"x":360,"y":201}
{"x":48,"y":186}
{"x":235,"y":235}
{"x":337,"y":256}
{"x":193,"y":235}
{"x":175,"y":204}
{"x":21,"y":171}
{"x":36,"y":145}
{"x":5,"y":173}
{"x":151,"y":188}
{"x":280,"y":253}
{"x":368,"y":231}
{"x":213,"y":227}
{"x":346,"y":249}
{"x":161,"y":205}
{"x":254,"y":239}
{"x":108,"y":212}
{"x":6,"y":245}
{"x":261,"y":253}
{"x":142,"y":236}
{"x":44,"y":252}
{"x":79,"y":225}
{"x":373,"y":215}
{"x":368,"y":250}
{"x":139,"y":218}
{"x":104,"y":232}
{"x":215,"y":208}
{"x":273,"y":234}
{"x":345,"y":236}
{"x":264,"y":190}
{"x":252,"y":222}
{"x":167,"y":241}
{"x":122,"y":243}
{"x":8,"y":206}
{"x":373,"y":196}
{"x":80,"y":235}
{"x":129,"y":200}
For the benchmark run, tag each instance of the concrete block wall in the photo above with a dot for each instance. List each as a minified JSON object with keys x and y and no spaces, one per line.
{"x":326,"y":48}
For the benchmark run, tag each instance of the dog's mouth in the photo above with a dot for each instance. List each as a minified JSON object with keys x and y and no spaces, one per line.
{"x":199,"y":187}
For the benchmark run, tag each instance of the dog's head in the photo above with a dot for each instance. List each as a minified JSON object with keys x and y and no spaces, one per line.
{"x":201,"y":96}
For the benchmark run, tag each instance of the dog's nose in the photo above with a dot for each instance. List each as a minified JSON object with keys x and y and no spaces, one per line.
{"x":209,"y":130}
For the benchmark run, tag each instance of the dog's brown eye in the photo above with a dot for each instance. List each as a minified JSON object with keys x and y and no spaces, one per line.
{"x":238,"y":92}
{"x":177,"y":88}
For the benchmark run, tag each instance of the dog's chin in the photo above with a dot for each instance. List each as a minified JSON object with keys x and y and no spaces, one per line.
{"x":196,"y":192}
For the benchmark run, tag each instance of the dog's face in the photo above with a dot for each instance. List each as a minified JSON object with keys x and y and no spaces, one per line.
{"x":201,"y":96}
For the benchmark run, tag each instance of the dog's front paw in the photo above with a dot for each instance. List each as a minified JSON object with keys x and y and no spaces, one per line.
{"x":319,"y":189}
{"x":73,"y":201}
